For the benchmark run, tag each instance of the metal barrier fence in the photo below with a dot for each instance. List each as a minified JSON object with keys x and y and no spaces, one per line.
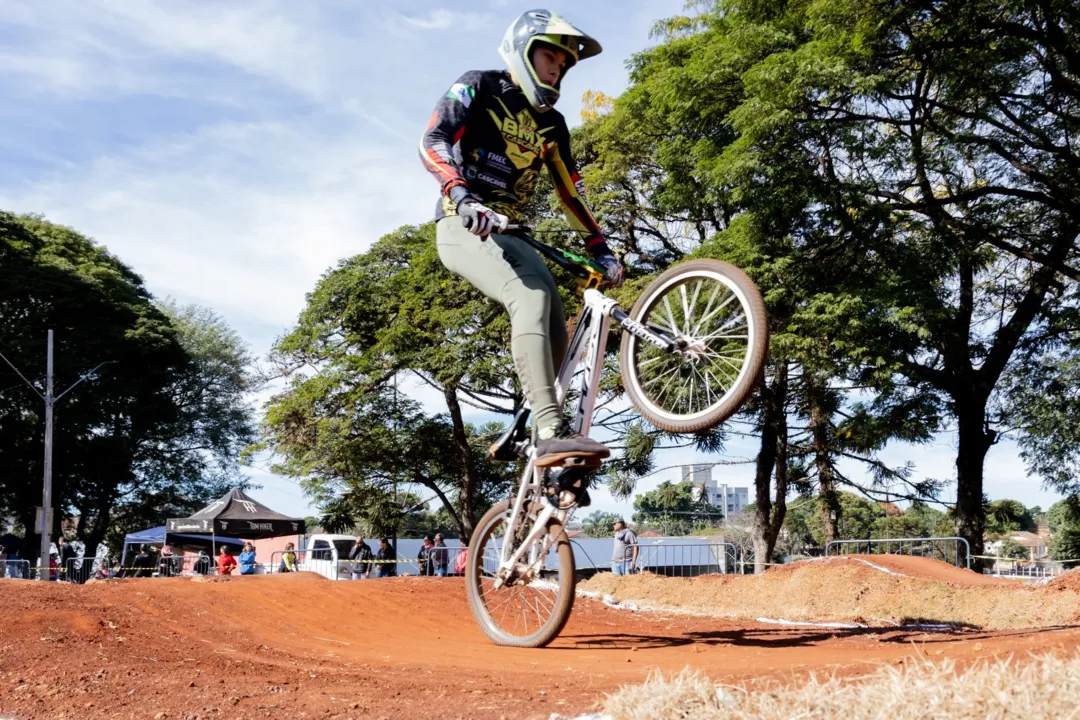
{"x":78,"y":570}
{"x":182,"y":566}
{"x":15,"y":569}
{"x":322,"y":561}
{"x":688,"y":560}
{"x":1027,"y":571}
{"x":934,"y":547}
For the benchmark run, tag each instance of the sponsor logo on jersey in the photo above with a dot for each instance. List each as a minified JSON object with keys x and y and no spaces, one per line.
{"x":461,"y":92}
{"x":472,"y":173}
{"x":491,"y":180}
{"x":495,"y":160}
{"x":524,"y":141}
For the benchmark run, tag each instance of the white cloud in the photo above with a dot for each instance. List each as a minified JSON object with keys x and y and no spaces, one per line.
{"x":81,"y":48}
{"x":242,"y":217}
{"x":436,"y":20}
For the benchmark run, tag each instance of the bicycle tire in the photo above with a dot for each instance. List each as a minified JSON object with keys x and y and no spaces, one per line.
{"x":753,"y":306}
{"x":474,"y":590}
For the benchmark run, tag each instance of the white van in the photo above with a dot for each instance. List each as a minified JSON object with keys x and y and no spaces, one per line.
{"x":328,"y":555}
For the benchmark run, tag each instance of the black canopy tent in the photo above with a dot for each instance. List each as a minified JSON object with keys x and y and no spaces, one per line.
{"x":237,"y":515}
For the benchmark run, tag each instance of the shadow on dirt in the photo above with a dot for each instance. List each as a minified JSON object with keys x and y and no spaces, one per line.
{"x":795,"y":637}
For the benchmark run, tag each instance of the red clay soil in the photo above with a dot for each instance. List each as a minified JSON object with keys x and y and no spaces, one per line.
{"x":298,"y":646}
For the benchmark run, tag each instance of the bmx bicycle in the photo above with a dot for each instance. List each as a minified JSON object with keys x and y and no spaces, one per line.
{"x":693,"y":348}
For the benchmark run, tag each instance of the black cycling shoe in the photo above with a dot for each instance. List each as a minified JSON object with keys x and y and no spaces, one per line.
{"x":509,"y":445}
{"x":568,"y":447}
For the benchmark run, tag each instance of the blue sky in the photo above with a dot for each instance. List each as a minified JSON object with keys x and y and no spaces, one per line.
{"x":232,"y":152}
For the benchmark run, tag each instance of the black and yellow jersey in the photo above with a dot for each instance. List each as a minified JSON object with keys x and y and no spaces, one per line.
{"x":485,"y":136}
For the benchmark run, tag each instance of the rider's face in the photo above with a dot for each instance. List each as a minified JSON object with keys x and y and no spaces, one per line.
{"x":549,"y":63}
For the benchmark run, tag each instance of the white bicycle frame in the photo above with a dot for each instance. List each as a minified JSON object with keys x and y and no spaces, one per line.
{"x":587,"y":346}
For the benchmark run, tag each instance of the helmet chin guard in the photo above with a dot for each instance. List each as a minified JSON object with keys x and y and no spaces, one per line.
{"x":542,"y":27}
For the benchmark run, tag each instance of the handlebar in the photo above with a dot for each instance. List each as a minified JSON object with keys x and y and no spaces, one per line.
{"x":581,"y":267}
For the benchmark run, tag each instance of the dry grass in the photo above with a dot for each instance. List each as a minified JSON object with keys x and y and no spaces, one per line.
{"x":1044,"y":687}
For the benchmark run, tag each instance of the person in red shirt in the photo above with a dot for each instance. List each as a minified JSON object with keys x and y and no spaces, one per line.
{"x":226,"y":562}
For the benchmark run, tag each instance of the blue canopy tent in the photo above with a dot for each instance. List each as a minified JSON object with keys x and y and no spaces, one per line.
{"x":156,"y":536}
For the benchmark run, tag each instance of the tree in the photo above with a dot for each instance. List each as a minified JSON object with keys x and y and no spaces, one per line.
{"x":1066,"y":544}
{"x":156,"y":431}
{"x":599,"y":524}
{"x":353,"y":451}
{"x":1006,"y":516}
{"x":1013,"y":550}
{"x":926,"y":152}
{"x":341,"y":425}
{"x":1062,"y":514}
{"x":674,"y":507}
{"x":659,"y":161}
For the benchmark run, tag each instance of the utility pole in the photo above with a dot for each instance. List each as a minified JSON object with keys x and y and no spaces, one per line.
{"x":401,"y":517}
{"x":46,"y":495}
{"x":45,"y":517}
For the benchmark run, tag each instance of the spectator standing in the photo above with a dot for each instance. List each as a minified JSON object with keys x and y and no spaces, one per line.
{"x":202,"y":563}
{"x":441,"y":556}
{"x":361,"y":557}
{"x":54,"y":566}
{"x":288,"y":559}
{"x":247,"y":559}
{"x":3,"y":562}
{"x":109,"y":568}
{"x":226,"y":562}
{"x":425,"y":561}
{"x":67,"y":558}
{"x":142,"y":565}
{"x":166,"y":567}
{"x":461,"y":561}
{"x":387,"y":559}
{"x":625,"y":554}
{"x":15,"y":568}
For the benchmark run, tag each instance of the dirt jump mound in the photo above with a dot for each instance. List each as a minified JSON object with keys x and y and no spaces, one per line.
{"x":865,"y":589}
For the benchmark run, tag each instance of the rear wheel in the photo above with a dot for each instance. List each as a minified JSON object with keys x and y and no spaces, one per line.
{"x":717,"y":316}
{"x":533,"y":605}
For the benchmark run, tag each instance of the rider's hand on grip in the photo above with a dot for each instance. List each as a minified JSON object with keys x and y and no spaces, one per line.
{"x":614,"y":272}
{"x":481,"y":220}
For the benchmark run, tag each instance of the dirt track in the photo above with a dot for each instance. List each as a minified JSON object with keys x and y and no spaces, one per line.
{"x":300,"y":646}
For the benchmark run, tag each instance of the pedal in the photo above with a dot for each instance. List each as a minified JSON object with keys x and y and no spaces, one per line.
{"x":572,"y":481}
{"x":505,"y":449}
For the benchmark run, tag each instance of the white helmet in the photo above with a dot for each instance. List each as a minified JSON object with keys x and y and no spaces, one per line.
{"x":542,"y":26}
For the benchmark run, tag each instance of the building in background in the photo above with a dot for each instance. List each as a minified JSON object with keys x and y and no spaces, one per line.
{"x":731,"y":500}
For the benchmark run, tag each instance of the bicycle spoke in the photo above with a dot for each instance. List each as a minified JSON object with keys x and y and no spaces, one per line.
{"x":685,"y":309}
{"x":671,"y":318}
{"x":710,"y":316}
{"x":708,"y":306}
{"x":693,"y":300}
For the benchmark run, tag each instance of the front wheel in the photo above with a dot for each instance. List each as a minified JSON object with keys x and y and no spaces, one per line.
{"x":715,"y":315}
{"x":532,"y":605}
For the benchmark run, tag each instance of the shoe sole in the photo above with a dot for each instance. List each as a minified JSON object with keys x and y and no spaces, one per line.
{"x":589,"y":461}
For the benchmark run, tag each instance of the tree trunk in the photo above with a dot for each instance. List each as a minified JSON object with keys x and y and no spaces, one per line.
{"x":471,"y":477}
{"x":974,"y":442}
{"x":819,"y":430}
{"x":769,"y":517}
